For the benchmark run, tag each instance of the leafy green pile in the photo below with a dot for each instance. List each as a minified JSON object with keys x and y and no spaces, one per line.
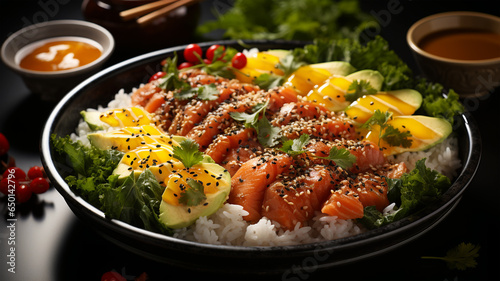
{"x":89,"y":172}
{"x":411,"y":192}
{"x":292,"y":20}
{"x":377,"y":55}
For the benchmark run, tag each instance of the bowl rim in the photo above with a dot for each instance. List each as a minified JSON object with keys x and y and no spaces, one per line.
{"x":415,"y":48}
{"x":106,"y":52}
{"x":457,"y":188}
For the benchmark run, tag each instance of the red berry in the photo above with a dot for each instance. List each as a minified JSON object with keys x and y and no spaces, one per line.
{"x":4,"y":185}
{"x":23,"y":193}
{"x":184,"y":65}
{"x":15,"y":173}
{"x":193,"y":53}
{"x":4,"y":144}
{"x":39,"y":185}
{"x":112,"y":276}
{"x":211,"y":52}
{"x":157,"y":76}
{"x":239,"y":61}
{"x":35,"y":172}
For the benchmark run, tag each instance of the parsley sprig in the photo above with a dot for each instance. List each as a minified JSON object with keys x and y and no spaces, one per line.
{"x":194,"y":194}
{"x":188,"y":153}
{"x":171,"y":81}
{"x":288,"y":64}
{"x":202,"y":92}
{"x":460,"y":257}
{"x":359,"y":88}
{"x":341,"y":156}
{"x":391,"y":135}
{"x":267,"y":134}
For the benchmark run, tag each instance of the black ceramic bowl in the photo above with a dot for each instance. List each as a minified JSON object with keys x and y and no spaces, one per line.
{"x":100,"y":89}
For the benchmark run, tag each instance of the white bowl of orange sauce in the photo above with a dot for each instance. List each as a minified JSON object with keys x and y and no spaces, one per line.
{"x":460,"y":50}
{"x":54,"y":56}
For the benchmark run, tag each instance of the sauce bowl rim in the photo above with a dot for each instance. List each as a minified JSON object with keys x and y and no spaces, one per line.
{"x":106,"y":51}
{"x":414,"y":45}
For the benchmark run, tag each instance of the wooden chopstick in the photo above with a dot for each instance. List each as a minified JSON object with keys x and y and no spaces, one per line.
{"x":165,"y":10}
{"x":144,"y":9}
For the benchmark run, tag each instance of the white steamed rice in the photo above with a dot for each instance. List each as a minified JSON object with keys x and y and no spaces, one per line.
{"x":227,"y":226}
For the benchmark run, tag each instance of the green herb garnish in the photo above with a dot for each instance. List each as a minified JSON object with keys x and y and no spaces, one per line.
{"x":296,"y":146}
{"x":188,"y":153}
{"x":460,"y":257}
{"x":267,"y":134}
{"x":391,"y":135}
{"x":172,"y":81}
{"x":359,"y":88}
{"x":202,"y":92}
{"x":194,"y":194}
{"x":342,"y":157}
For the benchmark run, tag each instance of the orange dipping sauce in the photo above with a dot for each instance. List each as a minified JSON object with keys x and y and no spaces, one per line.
{"x":463,"y":44}
{"x":57,"y":55}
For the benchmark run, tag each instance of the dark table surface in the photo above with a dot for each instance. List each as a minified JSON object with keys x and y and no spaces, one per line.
{"x":53,"y":244}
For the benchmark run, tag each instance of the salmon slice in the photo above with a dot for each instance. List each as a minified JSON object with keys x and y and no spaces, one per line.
{"x":295,"y":201}
{"x":215,"y":123}
{"x":343,"y":206}
{"x":295,"y":111}
{"x":368,"y":155}
{"x":233,"y":149}
{"x":280,"y":96}
{"x":251,"y":181}
{"x":155,"y":102}
{"x":141,"y":96}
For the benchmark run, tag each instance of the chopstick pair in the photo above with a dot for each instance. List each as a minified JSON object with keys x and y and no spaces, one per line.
{"x":153,"y":10}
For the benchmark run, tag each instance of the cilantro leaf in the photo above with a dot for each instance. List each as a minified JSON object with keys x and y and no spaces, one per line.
{"x":171,"y":81}
{"x":342,"y":157}
{"x":359,"y":88}
{"x":296,"y":146}
{"x":208,"y":92}
{"x":250,"y":119}
{"x":394,"y":137}
{"x":267,"y":134}
{"x":289,"y":64}
{"x":188,"y":153}
{"x":460,"y":257}
{"x":268,"y":81}
{"x":391,"y":135}
{"x":194,"y":194}
{"x":203,"y":92}
{"x":378,"y":118}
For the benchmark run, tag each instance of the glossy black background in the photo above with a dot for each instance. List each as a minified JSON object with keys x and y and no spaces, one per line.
{"x":53,"y":244}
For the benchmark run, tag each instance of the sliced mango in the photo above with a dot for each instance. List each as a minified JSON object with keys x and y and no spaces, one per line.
{"x":425,"y":132}
{"x":332,"y":92}
{"x":121,"y":117}
{"x":258,"y":64}
{"x":305,"y":78}
{"x":399,"y":102}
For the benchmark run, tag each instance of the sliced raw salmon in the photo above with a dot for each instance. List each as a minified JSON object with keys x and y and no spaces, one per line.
{"x":344,"y":205}
{"x":142,"y":95}
{"x":252,"y":180}
{"x":293,"y":201}
{"x":234,"y":148}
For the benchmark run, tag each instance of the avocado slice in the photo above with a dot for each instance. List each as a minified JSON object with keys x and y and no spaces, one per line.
{"x":399,"y":102}
{"x":278,"y":53}
{"x":341,"y":68}
{"x":119,"y":117}
{"x":92,"y":118}
{"x":129,"y":138}
{"x":179,"y":215}
{"x":425,"y":131}
{"x":374,"y":77}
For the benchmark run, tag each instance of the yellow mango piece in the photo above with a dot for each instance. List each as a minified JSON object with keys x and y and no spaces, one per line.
{"x":306,"y":78}
{"x":133,"y":116}
{"x":259,"y":64}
